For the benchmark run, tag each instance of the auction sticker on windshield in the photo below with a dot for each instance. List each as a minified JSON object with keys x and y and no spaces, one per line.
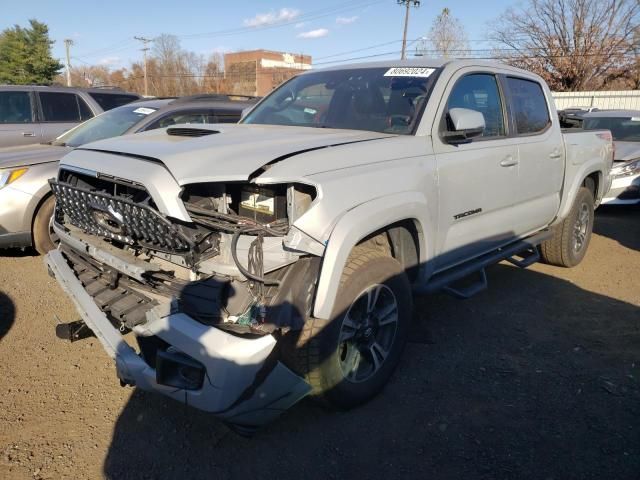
{"x":423,"y":72}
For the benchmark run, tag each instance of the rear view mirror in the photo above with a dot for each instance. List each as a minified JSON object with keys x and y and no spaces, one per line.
{"x":466,"y":124}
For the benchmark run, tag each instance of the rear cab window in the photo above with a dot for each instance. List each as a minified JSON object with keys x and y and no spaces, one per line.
{"x":108,"y":101}
{"x":63,"y":107}
{"x":528,"y":106}
{"x":15,"y":107}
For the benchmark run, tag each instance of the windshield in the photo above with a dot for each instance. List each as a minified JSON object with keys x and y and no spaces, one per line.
{"x":623,"y":129}
{"x":387,"y":100}
{"x":109,"y":124}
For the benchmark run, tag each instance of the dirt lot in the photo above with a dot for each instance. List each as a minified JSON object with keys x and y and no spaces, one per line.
{"x":538,"y":377}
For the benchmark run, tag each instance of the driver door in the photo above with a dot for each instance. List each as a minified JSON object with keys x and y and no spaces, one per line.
{"x":477,"y":179}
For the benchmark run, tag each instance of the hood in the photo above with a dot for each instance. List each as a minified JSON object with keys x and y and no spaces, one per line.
{"x":626,"y":151}
{"x":26,"y":155}
{"x":233,"y":153}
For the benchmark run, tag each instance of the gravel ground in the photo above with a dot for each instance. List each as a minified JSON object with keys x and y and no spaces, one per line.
{"x":538,"y":377}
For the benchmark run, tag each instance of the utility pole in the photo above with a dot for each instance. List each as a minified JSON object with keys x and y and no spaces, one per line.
{"x":145,"y":49}
{"x":67,"y":44}
{"x":408,"y":4}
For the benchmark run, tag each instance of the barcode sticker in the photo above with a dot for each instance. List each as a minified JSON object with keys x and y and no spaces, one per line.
{"x":423,"y":72}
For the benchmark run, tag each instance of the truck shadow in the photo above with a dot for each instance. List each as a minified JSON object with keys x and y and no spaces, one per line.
{"x":537,"y":382}
{"x":610,"y":219}
{"x":7,"y":315}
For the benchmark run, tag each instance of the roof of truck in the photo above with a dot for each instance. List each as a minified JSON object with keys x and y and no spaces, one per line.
{"x":418,"y":62}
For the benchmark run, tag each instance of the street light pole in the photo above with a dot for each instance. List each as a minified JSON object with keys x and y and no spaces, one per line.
{"x":67,"y":44}
{"x":408,"y":4}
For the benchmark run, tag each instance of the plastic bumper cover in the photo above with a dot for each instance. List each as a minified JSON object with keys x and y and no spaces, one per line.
{"x":623,"y":191}
{"x":242,"y":385}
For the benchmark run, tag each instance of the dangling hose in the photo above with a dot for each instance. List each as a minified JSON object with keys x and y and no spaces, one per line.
{"x":257,"y":262}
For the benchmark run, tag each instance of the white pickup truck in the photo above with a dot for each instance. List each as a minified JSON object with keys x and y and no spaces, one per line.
{"x":260,"y":262}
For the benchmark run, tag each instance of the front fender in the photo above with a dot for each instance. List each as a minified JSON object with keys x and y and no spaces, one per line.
{"x":358,"y":223}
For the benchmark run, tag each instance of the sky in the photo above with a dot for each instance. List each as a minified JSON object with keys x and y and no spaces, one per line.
{"x":329,"y":31}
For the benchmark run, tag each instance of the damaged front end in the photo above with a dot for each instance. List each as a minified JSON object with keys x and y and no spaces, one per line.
{"x":207,"y":299}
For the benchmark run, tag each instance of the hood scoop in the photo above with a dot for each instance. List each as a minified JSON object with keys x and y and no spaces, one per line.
{"x":190,"y":132}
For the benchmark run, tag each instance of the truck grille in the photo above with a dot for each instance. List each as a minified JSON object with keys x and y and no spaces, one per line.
{"x":117,"y":218}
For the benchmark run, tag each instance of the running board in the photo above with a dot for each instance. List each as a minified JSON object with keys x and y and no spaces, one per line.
{"x":526,"y":249}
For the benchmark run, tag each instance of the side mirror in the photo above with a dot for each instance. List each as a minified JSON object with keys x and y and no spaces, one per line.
{"x":466,"y":124}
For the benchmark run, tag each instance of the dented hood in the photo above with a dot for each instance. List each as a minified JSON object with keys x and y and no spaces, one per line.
{"x":233,"y":153}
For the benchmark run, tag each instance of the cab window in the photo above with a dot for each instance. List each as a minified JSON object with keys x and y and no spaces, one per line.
{"x":15,"y":107}
{"x":529,"y":106}
{"x":480,"y":92}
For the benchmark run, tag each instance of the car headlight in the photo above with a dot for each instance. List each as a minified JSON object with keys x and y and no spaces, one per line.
{"x":626,"y":170}
{"x":10,"y":176}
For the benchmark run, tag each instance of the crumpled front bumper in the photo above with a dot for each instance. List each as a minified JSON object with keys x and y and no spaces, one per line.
{"x":243,"y":385}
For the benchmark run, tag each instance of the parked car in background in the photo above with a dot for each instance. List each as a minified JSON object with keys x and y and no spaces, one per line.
{"x":35,"y":114}
{"x":625,"y":128}
{"x":259,"y":262}
{"x":572,"y":117}
{"x":26,"y":203}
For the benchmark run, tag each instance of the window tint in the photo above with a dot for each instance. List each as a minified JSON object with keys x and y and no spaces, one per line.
{"x":529,"y":105}
{"x":184,"y":117}
{"x":15,"y":107}
{"x":375,"y":99}
{"x":479,"y":92}
{"x":227,"y":118}
{"x":623,"y":129}
{"x":111,"y":100}
{"x":62,"y":107}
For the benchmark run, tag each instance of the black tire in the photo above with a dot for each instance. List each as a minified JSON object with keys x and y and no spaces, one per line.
{"x":564,"y":249}
{"x":317,"y":352}
{"x":42,"y":235}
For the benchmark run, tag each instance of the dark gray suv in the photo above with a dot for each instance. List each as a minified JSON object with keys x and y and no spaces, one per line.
{"x":34,"y":114}
{"x":26,"y":203}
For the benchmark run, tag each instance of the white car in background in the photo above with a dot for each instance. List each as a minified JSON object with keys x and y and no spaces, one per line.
{"x":625,"y":128}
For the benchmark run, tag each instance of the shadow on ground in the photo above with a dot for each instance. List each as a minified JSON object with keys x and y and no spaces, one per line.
{"x":607,"y":223}
{"x":7,"y":315}
{"x":534,"y":378}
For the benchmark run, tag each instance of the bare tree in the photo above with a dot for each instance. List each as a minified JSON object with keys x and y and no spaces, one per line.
{"x":572,"y":44}
{"x":447,"y":37}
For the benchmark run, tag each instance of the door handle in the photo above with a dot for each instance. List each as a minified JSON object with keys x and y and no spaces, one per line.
{"x":555,"y":154}
{"x":509,"y":161}
{"x":28,"y":134}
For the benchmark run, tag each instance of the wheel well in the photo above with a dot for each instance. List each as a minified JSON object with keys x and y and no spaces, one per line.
{"x":400,"y":241}
{"x":37,"y":209}
{"x":592,"y":182}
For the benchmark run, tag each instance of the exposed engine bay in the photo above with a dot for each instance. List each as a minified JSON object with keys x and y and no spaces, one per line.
{"x":228,"y":267}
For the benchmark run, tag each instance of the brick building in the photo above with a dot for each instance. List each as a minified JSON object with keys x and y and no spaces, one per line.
{"x":257,"y":72}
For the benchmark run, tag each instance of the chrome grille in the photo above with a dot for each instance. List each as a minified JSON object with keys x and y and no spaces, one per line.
{"x":113,"y":217}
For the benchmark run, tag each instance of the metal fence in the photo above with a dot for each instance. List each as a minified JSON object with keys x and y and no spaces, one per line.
{"x":628,"y":100}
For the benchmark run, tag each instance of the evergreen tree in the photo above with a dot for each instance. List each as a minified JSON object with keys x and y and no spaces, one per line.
{"x":25,"y":55}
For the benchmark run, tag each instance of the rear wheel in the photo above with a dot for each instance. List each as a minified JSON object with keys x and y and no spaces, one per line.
{"x":348,"y":359}
{"x":44,"y":239}
{"x":570,"y":240}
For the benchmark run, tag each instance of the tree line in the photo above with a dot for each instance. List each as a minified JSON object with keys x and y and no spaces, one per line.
{"x":573,"y":44}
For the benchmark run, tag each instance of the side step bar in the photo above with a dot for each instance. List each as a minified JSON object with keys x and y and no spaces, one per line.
{"x":525,"y":249}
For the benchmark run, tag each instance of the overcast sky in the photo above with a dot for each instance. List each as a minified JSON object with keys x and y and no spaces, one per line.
{"x":329,"y":31}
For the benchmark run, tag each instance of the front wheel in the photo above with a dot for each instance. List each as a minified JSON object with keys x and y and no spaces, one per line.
{"x":44,"y":238}
{"x":348,"y":359}
{"x":570,"y":240}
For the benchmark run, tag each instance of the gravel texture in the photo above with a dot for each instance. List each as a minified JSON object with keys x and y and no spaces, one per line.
{"x":537,"y":377}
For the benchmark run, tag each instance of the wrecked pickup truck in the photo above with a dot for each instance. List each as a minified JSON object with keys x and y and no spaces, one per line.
{"x":238,"y":268}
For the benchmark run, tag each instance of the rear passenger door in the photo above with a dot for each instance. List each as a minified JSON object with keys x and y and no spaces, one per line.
{"x":477,"y":180}
{"x":17,"y":119}
{"x":60,"y":111}
{"x":540,"y":153}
